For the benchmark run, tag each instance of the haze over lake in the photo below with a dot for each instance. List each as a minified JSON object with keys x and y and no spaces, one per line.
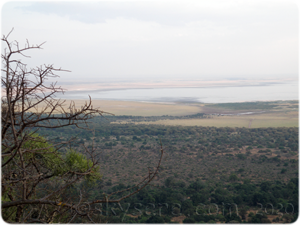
{"x":211,"y":94}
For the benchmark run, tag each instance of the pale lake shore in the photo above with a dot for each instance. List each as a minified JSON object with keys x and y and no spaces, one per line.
{"x":284,"y":115}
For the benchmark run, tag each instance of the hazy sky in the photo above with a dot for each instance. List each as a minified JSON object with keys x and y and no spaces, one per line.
{"x":160,"y":40}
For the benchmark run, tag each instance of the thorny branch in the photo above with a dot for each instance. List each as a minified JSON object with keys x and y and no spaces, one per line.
{"x":34,"y":174}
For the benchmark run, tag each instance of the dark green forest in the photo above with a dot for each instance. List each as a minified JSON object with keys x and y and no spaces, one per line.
{"x":209,"y":174}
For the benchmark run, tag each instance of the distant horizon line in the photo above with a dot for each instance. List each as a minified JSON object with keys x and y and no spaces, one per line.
{"x":113,"y":86}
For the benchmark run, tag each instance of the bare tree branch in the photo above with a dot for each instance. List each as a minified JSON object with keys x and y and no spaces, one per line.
{"x":34,"y":174}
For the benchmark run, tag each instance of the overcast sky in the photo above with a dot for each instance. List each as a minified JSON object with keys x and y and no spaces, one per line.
{"x":160,"y":40}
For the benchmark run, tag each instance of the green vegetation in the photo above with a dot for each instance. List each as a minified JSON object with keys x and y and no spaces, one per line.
{"x":52,"y":165}
{"x":226,"y":150}
{"x":253,"y":105}
{"x":206,"y":202}
{"x":205,"y":168}
{"x":203,"y":175}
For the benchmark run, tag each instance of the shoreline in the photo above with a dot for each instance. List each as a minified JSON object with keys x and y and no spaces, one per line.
{"x":179,"y":101}
{"x":83,"y":86}
{"x":284,"y":113}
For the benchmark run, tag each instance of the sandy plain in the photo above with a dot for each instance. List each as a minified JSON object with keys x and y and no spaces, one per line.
{"x":289,"y":119}
{"x":284,"y":117}
{"x":137,"y":108}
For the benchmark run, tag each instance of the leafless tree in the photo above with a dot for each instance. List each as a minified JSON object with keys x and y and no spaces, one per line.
{"x":35,"y":174}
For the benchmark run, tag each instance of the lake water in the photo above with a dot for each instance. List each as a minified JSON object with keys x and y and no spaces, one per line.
{"x":271,"y":92}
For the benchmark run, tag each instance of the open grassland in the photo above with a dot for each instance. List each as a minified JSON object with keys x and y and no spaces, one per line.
{"x":273,"y":119}
{"x":263,"y":105}
{"x":275,"y":114}
{"x":268,"y":114}
{"x":276,"y":119}
{"x":146,"y":109}
{"x":139,"y":108}
{"x":216,"y":122}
